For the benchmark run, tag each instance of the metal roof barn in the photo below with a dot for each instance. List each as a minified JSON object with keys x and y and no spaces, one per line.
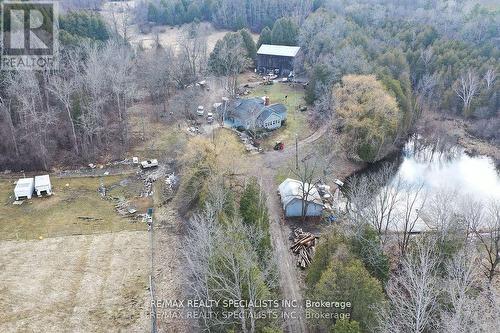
{"x":24,"y":188}
{"x":278,"y":50}
{"x":43,"y":185}
{"x":276,"y":59}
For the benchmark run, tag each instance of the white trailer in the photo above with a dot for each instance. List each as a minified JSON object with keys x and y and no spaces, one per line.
{"x":24,"y":188}
{"x":43,"y":185}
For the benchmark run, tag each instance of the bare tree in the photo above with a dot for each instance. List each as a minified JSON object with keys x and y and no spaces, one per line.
{"x":466,"y":88}
{"x":409,"y":213}
{"x":374,"y":199}
{"x":487,"y":232}
{"x":413,"y":293}
{"x":306,"y":173}
{"x":229,"y":59}
{"x":192,"y":52}
{"x":459,"y":285}
{"x":63,"y":90}
{"x":7,"y":113}
{"x":489,"y":78}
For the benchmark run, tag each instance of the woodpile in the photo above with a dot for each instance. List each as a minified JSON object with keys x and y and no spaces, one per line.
{"x":304,"y":246}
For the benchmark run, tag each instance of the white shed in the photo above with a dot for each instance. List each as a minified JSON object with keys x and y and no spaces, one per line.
{"x":42,"y":185}
{"x":24,"y":188}
{"x":291,"y":192}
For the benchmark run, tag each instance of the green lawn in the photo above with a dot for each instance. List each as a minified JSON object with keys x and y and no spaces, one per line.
{"x":296,"y":123}
{"x":58,"y":214}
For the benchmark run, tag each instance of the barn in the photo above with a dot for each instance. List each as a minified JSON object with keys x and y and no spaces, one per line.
{"x":291,"y":198}
{"x":278,"y":59}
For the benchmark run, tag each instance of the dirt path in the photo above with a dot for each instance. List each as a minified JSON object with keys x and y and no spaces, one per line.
{"x":290,"y":286}
{"x":289,"y":274}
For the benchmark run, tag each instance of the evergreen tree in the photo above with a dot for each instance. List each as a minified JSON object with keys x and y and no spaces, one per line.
{"x":265,"y":37}
{"x":285,"y":32}
{"x":249,"y":44}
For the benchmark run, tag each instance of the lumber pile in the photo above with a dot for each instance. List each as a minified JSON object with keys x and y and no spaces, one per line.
{"x":303,"y":246}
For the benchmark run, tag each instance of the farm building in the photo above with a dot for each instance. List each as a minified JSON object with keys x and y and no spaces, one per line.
{"x":291,"y":193}
{"x":43,"y":185}
{"x":278,"y":59}
{"x":256,"y":113}
{"x":24,"y":188}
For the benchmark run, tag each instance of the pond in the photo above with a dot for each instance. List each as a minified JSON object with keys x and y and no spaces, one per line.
{"x":443,"y":174}
{"x":439,"y":168}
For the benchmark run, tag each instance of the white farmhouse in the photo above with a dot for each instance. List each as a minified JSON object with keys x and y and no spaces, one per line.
{"x":24,"y":188}
{"x":43,"y":185}
{"x":292,"y":198}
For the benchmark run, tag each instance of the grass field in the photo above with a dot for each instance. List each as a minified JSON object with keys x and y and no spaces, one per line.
{"x":296,"y":123}
{"x":87,"y":283}
{"x":58,"y":214}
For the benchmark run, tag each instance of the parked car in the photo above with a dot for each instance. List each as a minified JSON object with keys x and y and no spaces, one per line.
{"x":200,"y":111}
{"x":210,"y":117}
{"x":149,"y":164}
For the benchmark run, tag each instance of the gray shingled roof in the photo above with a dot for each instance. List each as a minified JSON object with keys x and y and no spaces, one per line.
{"x":244,"y":109}
{"x":278,"y":50}
{"x":268,"y":110}
{"x":251,"y":108}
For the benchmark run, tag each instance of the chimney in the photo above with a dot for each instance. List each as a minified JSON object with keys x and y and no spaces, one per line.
{"x":266,"y":100}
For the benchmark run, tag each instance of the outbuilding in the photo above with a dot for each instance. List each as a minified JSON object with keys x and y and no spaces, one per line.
{"x":24,"y":188}
{"x":43,"y":185}
{"x":278,"y":59}
{"x":293,"y":199}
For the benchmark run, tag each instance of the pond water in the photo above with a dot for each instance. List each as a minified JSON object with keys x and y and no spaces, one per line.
{"x":439,"y":173}
{"x":449,"y":168}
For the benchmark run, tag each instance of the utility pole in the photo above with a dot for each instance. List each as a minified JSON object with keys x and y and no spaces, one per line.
{"x":296,"y":151}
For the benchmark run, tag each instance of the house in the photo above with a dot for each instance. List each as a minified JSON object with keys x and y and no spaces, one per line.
{"x":256,"y":113}
{"x":24,"y":188}
{"x":291,"y":192}
{"x":43,"y":185}
{"x":276,"y":58}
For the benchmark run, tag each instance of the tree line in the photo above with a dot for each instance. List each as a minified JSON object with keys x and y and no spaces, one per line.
{"x":440,"y":57}
{"x":228,"y":244}
{"x":400,"y":278}
{"x":80,"y":112}
{"x":228,"y":14}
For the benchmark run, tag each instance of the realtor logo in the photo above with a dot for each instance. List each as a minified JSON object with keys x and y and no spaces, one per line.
{"x":29,"y":35}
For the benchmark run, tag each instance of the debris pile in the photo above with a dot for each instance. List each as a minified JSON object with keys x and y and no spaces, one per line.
{"x":124,"y":208}
{"x":304,"y":246}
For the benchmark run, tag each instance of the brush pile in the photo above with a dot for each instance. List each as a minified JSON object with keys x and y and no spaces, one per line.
{"x":304,"y":246}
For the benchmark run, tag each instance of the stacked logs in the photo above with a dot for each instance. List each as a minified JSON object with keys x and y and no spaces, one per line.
{"x":304,"y":244}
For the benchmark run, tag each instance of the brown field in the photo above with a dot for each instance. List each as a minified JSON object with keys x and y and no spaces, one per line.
{"x":59,"y":273}
{"x":88,"y":283}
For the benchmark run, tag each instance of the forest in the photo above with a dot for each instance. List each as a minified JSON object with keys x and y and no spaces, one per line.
{"x":368,"y":75}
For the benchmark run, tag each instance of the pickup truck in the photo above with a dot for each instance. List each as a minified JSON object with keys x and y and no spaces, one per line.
{"x":149,"y":164}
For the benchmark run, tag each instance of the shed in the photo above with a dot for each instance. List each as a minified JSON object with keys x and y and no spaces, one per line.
{"x":291,"y":192}
{"x":276,"y":58}
{"x":43,"y":185}
{"x":24,"y":188}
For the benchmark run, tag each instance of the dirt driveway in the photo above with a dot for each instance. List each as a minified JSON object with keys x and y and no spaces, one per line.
{"x":88,"y":283}
{"x":269,"y":163}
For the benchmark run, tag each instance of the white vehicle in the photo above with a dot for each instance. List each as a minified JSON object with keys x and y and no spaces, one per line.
{"x":24,"y":188}
{"x":200,"y":111}
{"x":210,"y":117}
{"x":149,"y":164}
